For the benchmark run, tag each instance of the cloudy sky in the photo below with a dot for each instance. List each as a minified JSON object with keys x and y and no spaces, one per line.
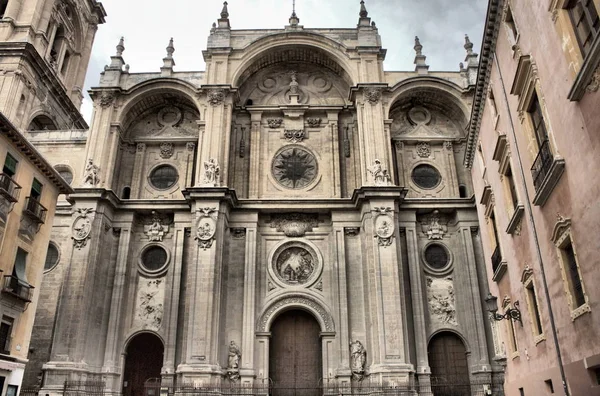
{"x":147,"y":26}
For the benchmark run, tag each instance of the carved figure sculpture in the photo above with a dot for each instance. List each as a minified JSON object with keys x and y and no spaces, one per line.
{"x":156,"y":230}
{"x":233,"y":362}
{"x":91,"y":173}
{"x":211,"y":172}
{"x":380,"y":176}
{"x":358,"y":359}
{"x":294,"y":83}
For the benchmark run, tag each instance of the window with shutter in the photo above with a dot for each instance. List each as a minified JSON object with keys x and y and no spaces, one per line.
{"x":586,"y":23}
{"x":573,"y":275}
{"x":10,"y":165}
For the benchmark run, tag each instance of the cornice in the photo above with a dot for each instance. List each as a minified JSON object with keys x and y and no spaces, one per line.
{"x":29,"y":151}
{"x":488,"y":49}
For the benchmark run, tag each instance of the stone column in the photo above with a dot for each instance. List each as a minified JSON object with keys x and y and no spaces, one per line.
{"x":137,"y":180}
{"x":328,"y":358}
{"x":335,"y":150}
{"x":340,"y":296}
{"x":214,"y":145}
{"x":111,"y":368}
{"x":262,"y":361}
{"x":201,"y":352}
{"x":247,"y":371}
{"x":371,"y":132}
{"x":384,"y":302}
{"x":255,"y":160}
{"x":423,"y":371}
{"x":171,"y":312}
{"x":12,"y":9}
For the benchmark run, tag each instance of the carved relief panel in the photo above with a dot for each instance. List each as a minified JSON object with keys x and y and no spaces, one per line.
{"x":441,"y":300}
{"x":149,"y":304}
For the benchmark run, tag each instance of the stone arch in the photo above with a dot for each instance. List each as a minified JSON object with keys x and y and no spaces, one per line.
{"x":42,"y":121}
{"x":151,"y":94}
{"x":447,"y":93}
{"x":296,"y":301}
{"x":261,"y":49}
{"x":134,"y":334}
{"x":453,"y":331}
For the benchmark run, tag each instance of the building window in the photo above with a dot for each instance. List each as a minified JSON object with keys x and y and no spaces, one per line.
{"x":532,"y":304}
{"x":153,"y":259}
{"x":573,"y":281}
{"x":6,"y":327}
{"x":586,"y":23}
{"x":436,"y":256}
{"x":572,"y":270}
{"x":537,"y":120}
{"x":509,"y":20}
{"x":52,"y":257}
{"x":65,"y":63}
{"x":126,"y":194}
{"x":521,"y":392}
{"x":36,"y":190}
{"x":510,"y":183}
{"x":163,"y":177}
{"x":426,"y":176}
{"x":3,"y":5}
{"x":497,"y":253}
{"x":549,"y":385}
{"x":10,"y":166}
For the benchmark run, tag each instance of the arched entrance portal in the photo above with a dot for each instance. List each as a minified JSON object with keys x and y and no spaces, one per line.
{"x":143,"y":361}
{"x":449,"y":367}
{"x":295,"y":353}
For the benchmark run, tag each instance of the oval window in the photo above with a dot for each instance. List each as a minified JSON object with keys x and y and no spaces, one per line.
{"x":154,"y":258}
{"x":426,"y":176}
{"x":163,"y":177}
{"x":436,"y":256}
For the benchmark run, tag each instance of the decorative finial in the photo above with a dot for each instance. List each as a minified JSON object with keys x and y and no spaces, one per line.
{"x":294,"y":20}
{"x":170,"y":49}
{"x":121,"y":47}
{"x":224,"y":12}
{"x":293,"y":8}
{"x":418,"y":47}
{"x":363,"y":10}
{"x":468,"y":45}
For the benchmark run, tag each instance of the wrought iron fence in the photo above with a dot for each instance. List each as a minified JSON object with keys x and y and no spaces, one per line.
{"x":83,"y":388}
{"x":30,"y":391}
{"x":434,"y":387}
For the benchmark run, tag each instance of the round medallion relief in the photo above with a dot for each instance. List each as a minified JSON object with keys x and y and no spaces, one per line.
{"x":294,"y":167}
{"x":295,"y":264}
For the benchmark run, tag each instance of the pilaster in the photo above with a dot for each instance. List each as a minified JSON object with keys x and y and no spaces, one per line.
{"x":247,"y":371}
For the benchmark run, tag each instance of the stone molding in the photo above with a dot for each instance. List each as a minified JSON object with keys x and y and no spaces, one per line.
{"x":309,"y":303}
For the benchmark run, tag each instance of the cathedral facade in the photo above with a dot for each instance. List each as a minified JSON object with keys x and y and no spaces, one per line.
{"x":294,"y":216}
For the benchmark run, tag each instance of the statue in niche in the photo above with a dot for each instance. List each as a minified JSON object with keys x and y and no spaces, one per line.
{"x":233,"y":362}
{"x":90,"y":176}
{"x":211,"y":172}
{"x":294,"y":83}
{"x":380,"y":176}
{"x":358,"y":359}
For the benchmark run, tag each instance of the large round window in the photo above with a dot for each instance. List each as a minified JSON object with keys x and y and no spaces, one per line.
{"x":52,"y":256}
{"x":154,"y":258}
{"x":294,"y":167}
{"x":163,"y":177}
{"x":426,"y":176}
{"x":436,"y":256}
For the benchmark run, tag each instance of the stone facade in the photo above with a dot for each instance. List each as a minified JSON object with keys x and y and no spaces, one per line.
{"x":294,"y":174}
{"x":533,"y":151}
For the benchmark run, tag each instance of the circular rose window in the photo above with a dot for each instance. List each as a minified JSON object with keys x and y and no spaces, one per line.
{"x":426,"y":176}
{"x":163,"y":177}
{"x":436,"y":256}
{"x":294,"y":168}
{"x":154,"y":258}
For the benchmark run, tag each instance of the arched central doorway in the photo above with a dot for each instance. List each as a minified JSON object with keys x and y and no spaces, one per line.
{"x":295,"y":354}
{"x":449,"y":367}
{"x":143,"y":361}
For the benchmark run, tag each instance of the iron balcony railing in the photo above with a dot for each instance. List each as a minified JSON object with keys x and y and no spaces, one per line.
{"x":35,"y":210}
{"x":496,"y":259}
{"x":542,"y":165}
{"x":17,"y":288}
{"x":9,"y":188}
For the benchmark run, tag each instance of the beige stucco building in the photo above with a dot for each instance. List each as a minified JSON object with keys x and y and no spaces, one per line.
{"x":295,"y":216}
{"x":534,"y":149}
{"x":29,"y":189}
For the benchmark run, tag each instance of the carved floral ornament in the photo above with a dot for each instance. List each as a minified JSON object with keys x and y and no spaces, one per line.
{"x":82,"y":227}
{"x":107,"y":100}
{"x":206,"y":227}
{"x":274,"y":122}
{"x":166,"y":150}
{"x":423,"y":150}
{"x":294,"y":135}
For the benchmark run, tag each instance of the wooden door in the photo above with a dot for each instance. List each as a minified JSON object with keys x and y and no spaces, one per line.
{"x":295,"y":354}
{"x":449,"y":366}
{"x":144,"y":361}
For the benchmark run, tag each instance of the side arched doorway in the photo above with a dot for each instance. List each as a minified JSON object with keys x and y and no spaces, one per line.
{"x":143,"y":361}
{"x":449,"y":367}
{"x":295,"y":365}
